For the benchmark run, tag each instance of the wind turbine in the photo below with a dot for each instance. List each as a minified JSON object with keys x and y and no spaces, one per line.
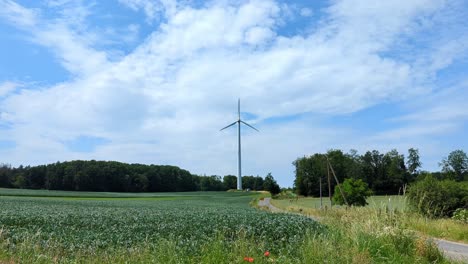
{"x":238,"y":122}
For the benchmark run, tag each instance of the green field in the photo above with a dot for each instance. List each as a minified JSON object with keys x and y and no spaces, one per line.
{"x":71,"y":225}
{"x":39,"y":226}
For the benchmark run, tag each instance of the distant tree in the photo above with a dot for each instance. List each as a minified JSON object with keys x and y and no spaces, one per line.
{"x":373,"y":170}
{"x":308,"y":171}
{"x":230,"y":182}
{"x":248,"y":182}
{"x":413,"y":163}
{"x":395,"y":173}
{"x":269,"y":184}
{"x":5,"y":175}
{"x":355,"y":192}
{"x":455,"y":166}
{"x":258,"y":183}
{"x":211,"y":183}
{"x":354,"y":166}
{"x":252,"y":183}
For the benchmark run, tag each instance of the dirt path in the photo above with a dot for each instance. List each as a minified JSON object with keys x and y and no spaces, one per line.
{"x":266,"y":203}
{"x":453,"y":250}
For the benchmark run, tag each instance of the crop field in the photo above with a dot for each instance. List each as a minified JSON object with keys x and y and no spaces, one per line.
{"x":47,"y":227}
{"x":39,"y":226}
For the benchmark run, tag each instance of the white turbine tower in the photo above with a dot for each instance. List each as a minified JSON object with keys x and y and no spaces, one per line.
{"x":239,"y":121}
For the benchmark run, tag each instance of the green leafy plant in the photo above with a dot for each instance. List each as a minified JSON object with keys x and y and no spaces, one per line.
{"x":461,"y":215}
{"x":435,"y":198}
{"x":354,"y":191}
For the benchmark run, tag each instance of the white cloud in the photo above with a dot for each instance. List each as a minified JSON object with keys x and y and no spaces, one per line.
{"x":8,"y":87}
{"x":165,"y":101}
{"x":306,"y":12}
{"x":17,"y":14}
{"x":62,"y":36}
{"x":153,"y":9}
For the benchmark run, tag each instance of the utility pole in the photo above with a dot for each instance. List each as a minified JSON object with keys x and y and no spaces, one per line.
{"x":329,"y":184}
{"x":321,"y":202}
{"x":337,"y":182}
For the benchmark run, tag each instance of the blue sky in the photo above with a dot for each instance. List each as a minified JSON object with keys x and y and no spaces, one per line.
{"x":154,"y":81}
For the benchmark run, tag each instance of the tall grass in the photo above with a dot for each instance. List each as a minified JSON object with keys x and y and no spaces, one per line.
{"x":382,"y":206}
{"x":335,"y":246}
{"x":373,"y":234}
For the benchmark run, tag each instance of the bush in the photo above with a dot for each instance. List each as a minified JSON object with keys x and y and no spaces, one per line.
{"x":435,"y":198}
{"x":461,"y":215}
{"x":355,"y":191}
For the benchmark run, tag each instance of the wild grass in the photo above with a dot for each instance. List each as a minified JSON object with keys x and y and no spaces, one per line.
{"x":333,"y":247}
{"x":374,"y":235}
{"x":381,"y":207}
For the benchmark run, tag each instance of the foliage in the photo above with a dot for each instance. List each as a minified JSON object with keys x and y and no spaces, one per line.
{"x":437,"y":198}
{"x":385,"y":173}
{"x":286,"y":194}
{"x":368,"y":234}
{"x":270,"y":185}
{"x":413,"y":163}
{"x":461,"y":214}
{"x":308,"y":172}
{"x":230,"y":182}
{"x":355,"y":191}
{"x":254,"y":183}
{"x":111,"y":176}
{"x":381,"y":207}
{"x":93,"y":226}
{"x":455,"y":166}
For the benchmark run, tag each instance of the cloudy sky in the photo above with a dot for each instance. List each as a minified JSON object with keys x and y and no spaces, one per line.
{"x":154,"y":81}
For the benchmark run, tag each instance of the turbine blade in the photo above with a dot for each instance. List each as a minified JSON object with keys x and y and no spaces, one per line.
{"x":249,"y":126}
{"x":228,"y":126}
{"x":238,"y":108}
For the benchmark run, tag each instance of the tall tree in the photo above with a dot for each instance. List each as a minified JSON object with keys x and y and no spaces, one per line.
{"x":373,"y":170}
{"x":308,"y":172}
{"x":395,"y":172}
{"x":413,"y":163}
{"x":269,"y":184}
{"x":455,"y":166}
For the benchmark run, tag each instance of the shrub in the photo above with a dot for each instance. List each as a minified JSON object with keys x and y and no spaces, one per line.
{"x":461,"y":215}
{"x":355,"y":191}
{"x":435,"y":198}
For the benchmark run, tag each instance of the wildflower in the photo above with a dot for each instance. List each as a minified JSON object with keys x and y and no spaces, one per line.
{"x":246,"y":258}
{"x":267,"y":253}
{"x":251,"y":259}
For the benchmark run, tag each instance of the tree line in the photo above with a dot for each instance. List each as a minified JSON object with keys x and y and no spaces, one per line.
{"x":384,"y":173}
{"x":112,"y":176}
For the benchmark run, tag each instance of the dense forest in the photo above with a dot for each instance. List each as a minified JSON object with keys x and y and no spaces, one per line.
{"x":387,"y":173}
{"x":112,"y":176}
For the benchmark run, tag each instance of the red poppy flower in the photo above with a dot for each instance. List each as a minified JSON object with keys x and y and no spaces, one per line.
{"x":251,"y":259}
{"x":267,"y":253}
{"x":246,"y":258}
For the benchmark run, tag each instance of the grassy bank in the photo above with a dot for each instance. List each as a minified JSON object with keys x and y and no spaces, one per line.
{"x":381,"y":208}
